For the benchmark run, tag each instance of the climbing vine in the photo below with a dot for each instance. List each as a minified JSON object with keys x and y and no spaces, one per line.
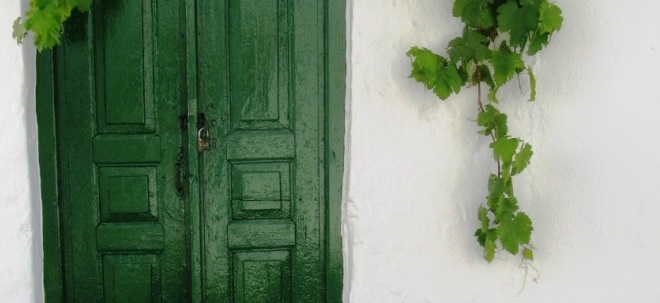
{"x":45,"y":19}
{"x":496,"y":37}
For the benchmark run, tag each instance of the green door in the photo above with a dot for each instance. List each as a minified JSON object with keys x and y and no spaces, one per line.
{"x":145,"y":215}
{"x":261,"y":187}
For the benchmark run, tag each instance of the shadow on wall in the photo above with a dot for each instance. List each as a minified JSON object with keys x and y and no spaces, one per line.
{"x":29,"y":97}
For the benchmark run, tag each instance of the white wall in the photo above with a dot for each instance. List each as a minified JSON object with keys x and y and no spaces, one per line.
{"x":20,"y":217}
{"x":417,"y":170}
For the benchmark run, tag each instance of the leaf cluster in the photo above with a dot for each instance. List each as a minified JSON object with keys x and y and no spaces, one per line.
{"x":45,"y":19}
{"x":500,"y":219}
{"x":498,"y":34}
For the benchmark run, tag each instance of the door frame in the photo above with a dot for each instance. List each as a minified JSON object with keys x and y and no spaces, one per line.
{"x":335,"y":87}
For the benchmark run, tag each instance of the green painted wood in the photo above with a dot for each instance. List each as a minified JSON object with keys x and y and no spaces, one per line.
{"x":261,"y":81}
{"x":48,"y":170}
{"x":335,"y":62}
{"x":259,"y":217}
{"x":124,"y":225}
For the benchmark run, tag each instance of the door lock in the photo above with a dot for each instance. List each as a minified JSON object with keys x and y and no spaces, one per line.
{"x":203,"y":140}
{"x":203,"y":134}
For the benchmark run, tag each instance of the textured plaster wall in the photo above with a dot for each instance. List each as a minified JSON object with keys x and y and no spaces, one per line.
{"x":20,"y":217}
{"x":416,"y":168}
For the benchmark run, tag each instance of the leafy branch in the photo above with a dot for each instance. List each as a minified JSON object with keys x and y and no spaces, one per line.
{"x":45,"y":19}
{"x":496,"y":36}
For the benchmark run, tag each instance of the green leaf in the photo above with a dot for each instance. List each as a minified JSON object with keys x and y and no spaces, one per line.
{"x":486,"y":118}
{"x":483,"y":217}
{"x":475,"y":13}
{"x":515,"y":231}
{"x":532,"y":84}
{"x":523,"y":225}
{"x":506,"y":206}
{"x":518,"y":21}
{"x":426,"y":65}
{"x":492,"y":95}
{"x":528,"y":254}
{"x":472,"y":46}
{"x":504,"y":148}
{"x":492,"y":119}
{"x":19,"y":31}
{"x":538,"y":42}
{"x":505,"y":64}
{"x":551,"y":19}
{"x":482,"y":74}
{"x":435,"y":72}
{"x":490,"y":246}
{"x":81,"y":5}
{"x":522,"y":159}
{"x":501,"y":127}
{"x":46,"y":23}
{"x":487,"y":240}
{"x":454,"y":78}
{"x":442,"y":89}
{"x":507,"y":234}
{"x":496,"y":186}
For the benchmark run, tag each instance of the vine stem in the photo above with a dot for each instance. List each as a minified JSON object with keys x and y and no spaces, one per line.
{"x":481,"y":109}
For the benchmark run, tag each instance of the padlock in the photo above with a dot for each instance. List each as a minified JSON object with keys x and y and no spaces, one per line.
{"x":203,"y":140}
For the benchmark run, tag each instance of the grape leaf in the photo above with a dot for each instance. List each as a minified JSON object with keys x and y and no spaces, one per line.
{"x":508,"y":235}
{"x":521,"y":159}
{"x":19,"y":31}
{"x":492,"y":95}
{"x":504,"y":148}
{"x":532,"y":84}
{"x":496,"y":186}
{"x":483,"y":217}
{"x":45,"y":18}
{"x":518,"y":21}
{"x":486,"y":118}
{"x":501,"y":127}
{"x":454,"y":78}
{"x":492,"y":119}
{"x":550,"y":19}
{"x":46,"y":23}
{"x":472,"y":46}
{"x":528,"y":254}
{"x":81,"y":5}
{"x":435,"y":72}
{"x":523,"y":225}
{"x":538,"y":42}
{"x":475,"y":13}
{"x":487,"y":240}
{"x":506,"y":206}
{"x":490,"y":246}
{"x":482,"y":74}
{"x":505,"y":64}
{"x":426,"y":65}
{"x":515,"y":231}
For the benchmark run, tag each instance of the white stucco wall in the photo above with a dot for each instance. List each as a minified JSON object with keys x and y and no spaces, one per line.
{"x":20,"y":217}
{"x":417,"y":170}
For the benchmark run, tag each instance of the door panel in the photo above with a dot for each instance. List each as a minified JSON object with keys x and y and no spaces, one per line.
{"x":251,"y":225}
{"x":262,"y":191}
{"x":120,"y":90}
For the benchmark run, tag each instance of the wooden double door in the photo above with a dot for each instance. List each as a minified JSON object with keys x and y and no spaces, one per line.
{"x":193,"y":153}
